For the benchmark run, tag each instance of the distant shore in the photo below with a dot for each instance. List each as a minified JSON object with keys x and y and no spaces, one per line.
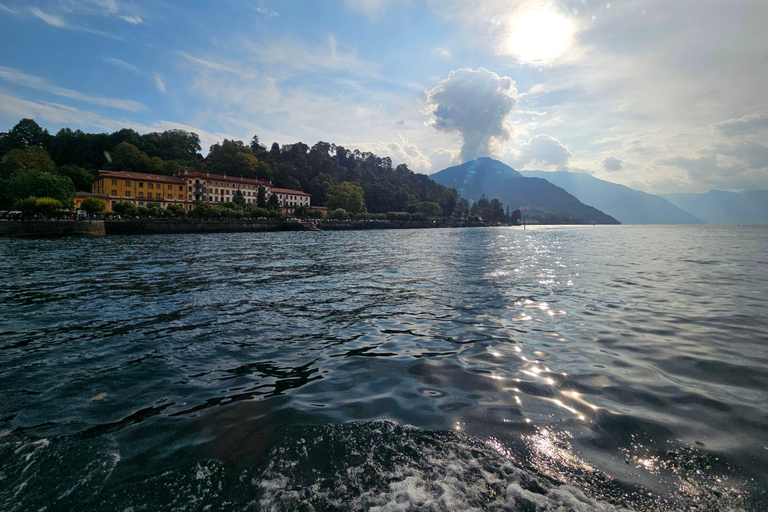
{"x":59,"y":228}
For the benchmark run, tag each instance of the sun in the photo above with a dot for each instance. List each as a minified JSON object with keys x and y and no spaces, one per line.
{"x":540,"y":36}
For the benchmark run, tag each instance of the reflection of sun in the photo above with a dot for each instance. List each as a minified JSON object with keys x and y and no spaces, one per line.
{"x":540,"y":36}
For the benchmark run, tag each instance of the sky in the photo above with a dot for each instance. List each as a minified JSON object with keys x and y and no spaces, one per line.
{"x":664,"y":96}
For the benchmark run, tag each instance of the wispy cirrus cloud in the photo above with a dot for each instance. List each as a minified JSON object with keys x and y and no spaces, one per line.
{"x":136,"y":70}
{"x":65,"y":115}
{"x":50,"y":19}
{"x":159,"y":82}
{"x":264,"y":11}
{"x":60,"y":22}
{"x":20,"y":78}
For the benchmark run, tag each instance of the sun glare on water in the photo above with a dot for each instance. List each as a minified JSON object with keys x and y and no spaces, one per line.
{"x":540,"y":36}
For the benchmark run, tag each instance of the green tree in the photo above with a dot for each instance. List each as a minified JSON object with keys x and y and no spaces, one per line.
{"x":128,"y":158}
{"x":27,"y":206}
{"x":28,"y":133}
{"x":338,"y":214}
{"x":176,"y":210}
{"x":256,"y":212}
{"x":29,"y":157}
{"x":233,"y":158}
{"x":125,"y":209}
{"x":202,"y":211}
{"x":48,"y":205}
{"x":257,"y":146}
{"x":261,"y":197}
{"x":40,"y":184}
{"x":273,"y":203}
{"x":81,"y":178}
{"x":301,"y":211}
{"x":430,"y":209}
{"x":154,"y":209}
{"x":347,"y":196}
{"x":93,"y":205}
{"x":37,"y":205}
{"x":239,"y":198}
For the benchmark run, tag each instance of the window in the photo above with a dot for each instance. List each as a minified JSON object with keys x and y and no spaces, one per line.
{"x":114,"y":193}
{"x":141,"y":184}
{"x":127,"y":183}
{"x":127,"y":193}
{"x":170,"y":196}
{"x":181,"y":197}
{"x":114,"y":182}
{"x":170,"y":187}
{"x":181,"y":188}
{"x":150,"y":185}
{"x":141,"y":194}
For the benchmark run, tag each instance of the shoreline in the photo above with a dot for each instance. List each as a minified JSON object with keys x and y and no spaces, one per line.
{"x":96,"y":228}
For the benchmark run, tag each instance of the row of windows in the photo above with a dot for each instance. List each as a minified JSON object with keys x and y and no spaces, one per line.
{"x":230,"y":185}
{"x":158,"y":195}
{"x":149,"y":185}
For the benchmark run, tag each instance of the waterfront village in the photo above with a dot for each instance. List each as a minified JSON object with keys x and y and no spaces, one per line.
{"x":186,"y":189}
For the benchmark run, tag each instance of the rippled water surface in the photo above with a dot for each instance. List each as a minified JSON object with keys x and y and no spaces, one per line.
{"x":562,"y":368}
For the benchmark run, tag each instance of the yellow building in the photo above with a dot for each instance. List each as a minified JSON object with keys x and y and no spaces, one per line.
{"x":189,"y":188}
{"x":140,"y":189}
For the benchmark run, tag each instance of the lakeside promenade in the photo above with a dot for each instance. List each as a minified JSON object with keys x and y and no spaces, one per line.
{"x":56,"y":228}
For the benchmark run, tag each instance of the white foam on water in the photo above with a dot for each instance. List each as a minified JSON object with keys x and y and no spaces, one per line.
{"x":388,"y":468}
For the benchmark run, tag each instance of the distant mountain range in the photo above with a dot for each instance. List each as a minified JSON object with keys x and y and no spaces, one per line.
{"x":625,"y":204}
{"x":719,"y":207}
{"x":588,"y":199}
{"x":539,"y":198}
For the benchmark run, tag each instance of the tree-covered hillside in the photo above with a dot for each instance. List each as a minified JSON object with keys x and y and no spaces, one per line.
{"x":69,"y":161}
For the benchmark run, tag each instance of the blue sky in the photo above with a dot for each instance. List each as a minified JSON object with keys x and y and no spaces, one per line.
{"x":657,"y":95}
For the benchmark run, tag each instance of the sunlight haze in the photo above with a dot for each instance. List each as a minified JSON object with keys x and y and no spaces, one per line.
{"x":663,"y":97}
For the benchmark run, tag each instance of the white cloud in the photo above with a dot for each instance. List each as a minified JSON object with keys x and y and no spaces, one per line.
{"x":64,"y":115}
{"x":136,"y":70}
{"x":50,"y":19}
{"x":442,"y":53}
{"x":266,"y":12}
{"x":747,"y":124}
{"x":289,"y":54}
{"x":159,"y":82}
{"x":439,"y":159}
{"x":542,"y":150}
{"x":372,"y":8}
{"x":739,"y":165}
{"x":34,"y":82}
{"x":475,"y":104}
{"x":134,"y":20}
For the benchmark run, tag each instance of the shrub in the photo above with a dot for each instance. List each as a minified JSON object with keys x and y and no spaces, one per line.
{"x":93,"y":205}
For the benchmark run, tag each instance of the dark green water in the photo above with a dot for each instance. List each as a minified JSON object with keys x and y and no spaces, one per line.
{"x":589,"y":368}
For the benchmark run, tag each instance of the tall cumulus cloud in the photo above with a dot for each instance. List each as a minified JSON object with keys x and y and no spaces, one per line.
{"x":475,"y":104}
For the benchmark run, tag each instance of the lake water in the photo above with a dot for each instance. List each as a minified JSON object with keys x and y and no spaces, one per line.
{"x":551,"y":369}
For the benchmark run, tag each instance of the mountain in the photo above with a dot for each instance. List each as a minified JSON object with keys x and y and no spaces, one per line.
{"x":540,"y":199}
{"x":719,"y":207}
{"x":625,"y":204}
